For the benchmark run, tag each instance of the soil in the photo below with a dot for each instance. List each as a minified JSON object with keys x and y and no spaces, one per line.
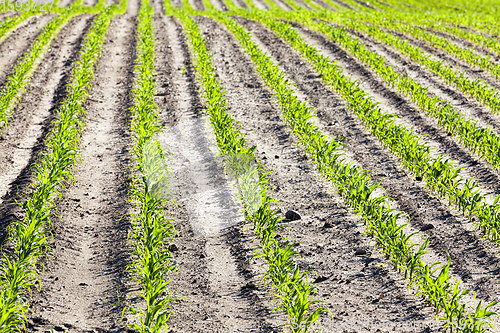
{"x":218,"y":286}
{"x":16,"y":44}
{"x":214,"y":264}
{"x":472,"y":72}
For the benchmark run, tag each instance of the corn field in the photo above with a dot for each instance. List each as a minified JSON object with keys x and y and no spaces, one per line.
{"x":250,"y":166}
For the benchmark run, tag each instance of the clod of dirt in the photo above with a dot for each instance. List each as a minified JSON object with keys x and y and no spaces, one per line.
{"x":292,"y":215}
{"x":173,"y":248}
{"x":360,"y":252}
{"x":320,"y":279}
{"x":249,"y":286}
{"x":39,"y":320}
{"x":328,"y":224}
{"x":427,"y":227}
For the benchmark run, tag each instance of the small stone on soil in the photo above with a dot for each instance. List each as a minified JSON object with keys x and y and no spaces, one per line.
{"x":292,"y":215}
{"x":360,"y":252}
{"x":427,"y":227}
{"x":328,"y":224}
{"x":173,"y":248}
{"x":320,"y":279}
{"x":249,"y":285}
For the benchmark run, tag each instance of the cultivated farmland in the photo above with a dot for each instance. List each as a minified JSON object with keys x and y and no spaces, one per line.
{"x":250,"y":166}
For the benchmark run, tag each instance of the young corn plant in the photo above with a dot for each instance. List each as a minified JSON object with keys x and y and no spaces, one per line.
{"x":28,"y":63}
{"x":355,"y":186}
{"x":440,"y":175}
{"x":478,"y":89}
{"x":152,"y":229}
{"x":483,"y":141}
{"x":290,"y":286}
{"x":28,"y":238}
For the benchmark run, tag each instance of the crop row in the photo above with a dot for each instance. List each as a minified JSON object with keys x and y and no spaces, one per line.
{"x":484,"y":141}
{"x":28,"y":239}
{"x":356,"y":187}
{"x":439,"y":174}
{"x":467,"y":55}
{"x":291,"y":286}
{"x":478,"y":89}
{"x":152,"y":229}
{"x":448,"y":22}
{"x":480,"y":20}
{"x":412,"y":20}
{"x":28,"y":63}
{"x":21,"y":75}
{"x":10,"y":23}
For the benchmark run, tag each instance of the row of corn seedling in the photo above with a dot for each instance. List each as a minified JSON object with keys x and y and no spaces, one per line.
{"x":478,"y":89}
{"x":28,"y":239}
{"x":10,"y":23}
{"x":483,"y":141}
{"x":468,"y":55}
{"x":472,"y":19}
{"x":414,"y":11}
{"x":385,"y":19}
{"x":152,"y":229}
{"x":291,"y":286}
{"x":26,"y":66}
{"x":21,"y":75}
{"x":427,"y":21}
{"x":356,"y":187}
{"x":440,"y":175}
